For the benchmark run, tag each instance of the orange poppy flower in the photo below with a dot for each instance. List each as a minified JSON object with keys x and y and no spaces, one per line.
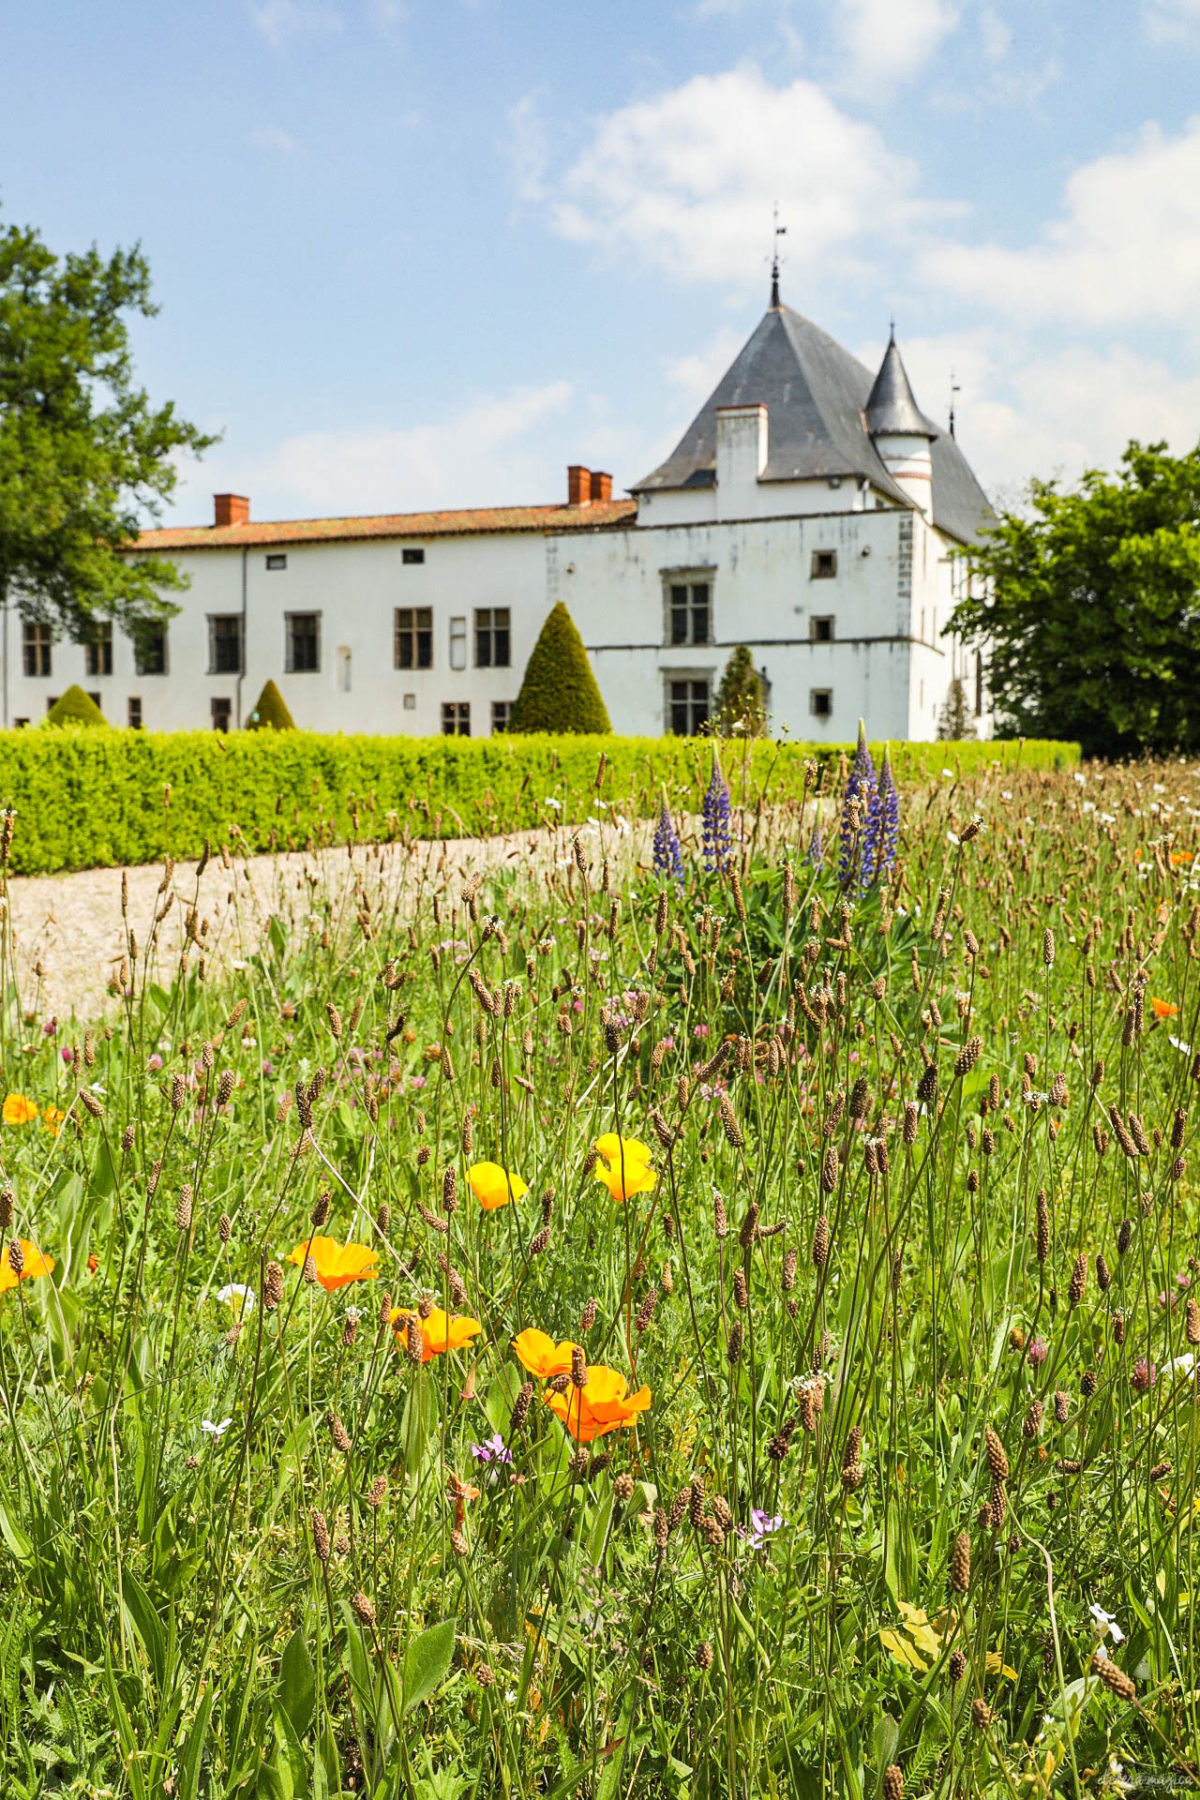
{"x":337,"y":1264}
{"x":35,"y":1264}
{"x":1180,"y":859}
{"x":602,"y":1406}
{"x":624,"y":1166}
{"x":1162,"y":1009}
{"x":52,"y":1118}
{"x":493,"y":1186}
{"x":19,"y":1109}
{"x":541,"y":1355}
{"x":441,"y":1331}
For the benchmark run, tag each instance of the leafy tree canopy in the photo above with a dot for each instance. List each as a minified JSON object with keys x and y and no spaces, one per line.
{"x":84,"y":455}
{"x":559,"y":691}
{"x":1091,"y":619}
{"x":740,"y":706}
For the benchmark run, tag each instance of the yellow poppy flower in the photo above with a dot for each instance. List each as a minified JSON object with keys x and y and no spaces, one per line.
{"x":624,"y":1166}
{"x":603,"y":1405}
{"x":493,"y":1186}
{"x":541,"y":1355}
{"x":337,"y":1265}
{"x":19,"y":1109}
{"x":440,"y":1332}
{"x":35,"y":1264}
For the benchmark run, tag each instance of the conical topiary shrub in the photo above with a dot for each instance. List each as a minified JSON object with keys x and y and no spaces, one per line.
{"x":740,"y":707}
{"x":559,"y":692}
{"x":271,"y":712}
{"x":75,"y":708}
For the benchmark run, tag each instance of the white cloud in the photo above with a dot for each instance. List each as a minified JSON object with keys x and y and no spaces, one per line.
{"x":1024,"y":412}
{"x":1171,"y":21}
{"x":1126,"y":246}
{"x":995,"y":34}
{"x":890,"y":41}
{"x":694,"y":377}
{"x":490,"y":454}
{"x":274,"y":138}
{"x":686,"y":180}
{"x":279,"y":20}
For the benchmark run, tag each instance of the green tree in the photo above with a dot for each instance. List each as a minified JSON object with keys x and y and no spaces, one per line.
{"x":75,"y":708}
{"x":270,"y":712}
{"x":1090,"y":621}
{"x":955,"y":721}
{"x":559,"y":692}
{"x":740,"y":707}
{"x":84,"y":455}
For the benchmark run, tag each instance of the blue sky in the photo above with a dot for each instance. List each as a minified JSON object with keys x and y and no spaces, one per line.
{"x":423,"y":253}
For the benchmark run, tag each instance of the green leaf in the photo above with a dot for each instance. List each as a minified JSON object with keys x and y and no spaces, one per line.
{"x":147,"y":1626}
{"x":427,"y":1662}
{"x":192,"y":1759}
{"x":297,"y":1682}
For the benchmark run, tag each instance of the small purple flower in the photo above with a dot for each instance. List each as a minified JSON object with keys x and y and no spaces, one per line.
{"x":268,"y":1067}
{"x":715,"y":810}
{"x":68,"y":1055}
{"x":814,"y":856}
{"x":492,"y":1450}
{"x":1038,"y":1351}
{"x":1143,"y":1375}
{"x":418,"y":1081}
{"x":668,"y":854}
{"x":762,"y":1525}
{"x":49,"y":1028}
{"x":155,"y":1062}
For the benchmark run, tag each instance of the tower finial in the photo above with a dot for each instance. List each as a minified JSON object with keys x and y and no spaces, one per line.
{"x":954,"y":389}
{"x":779,"y":231}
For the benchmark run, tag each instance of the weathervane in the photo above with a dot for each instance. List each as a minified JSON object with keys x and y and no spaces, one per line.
{"x":779,"y":231}
{"x":954,"y":389}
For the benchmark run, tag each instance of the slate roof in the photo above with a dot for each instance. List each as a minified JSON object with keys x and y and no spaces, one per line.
{"x":891,"y":405}
{"x":816,"y":395}
{"x":548,"y":520}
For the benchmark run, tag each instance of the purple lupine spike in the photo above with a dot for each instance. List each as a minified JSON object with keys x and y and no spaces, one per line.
{"x":668,"y":853}
{"x":715,"y":839}
{"x":860,"y":786}
{"x":814,"y":856}
{"x":882,"y":831}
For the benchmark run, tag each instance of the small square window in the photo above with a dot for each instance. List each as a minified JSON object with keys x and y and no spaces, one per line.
{"x":456,"y":718}
{"x":51,"y":702}
{"x":222,"y":714}
{"x":20,"y":724}
{"x":500,"y":712}
{"x":689,"y":704}
{"x":277,"y":561}
{"x":135,"y":712}
{"x":410,"y":703}
{"x":820,"y":702}
{"x":95,"y":699}
{"x":821,"y":630}
{"x":824,"y":565}
{"x":412,"y":556}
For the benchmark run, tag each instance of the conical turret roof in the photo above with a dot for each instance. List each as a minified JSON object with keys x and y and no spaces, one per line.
{"x":891,"y":404}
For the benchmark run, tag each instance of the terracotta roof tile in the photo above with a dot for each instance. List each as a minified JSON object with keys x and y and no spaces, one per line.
{"x":600,"y":514}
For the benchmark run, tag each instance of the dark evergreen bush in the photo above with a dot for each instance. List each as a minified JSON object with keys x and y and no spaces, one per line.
{"x":559,"y":692}
{"x":75,"y":708}
{"x":270,"y":712}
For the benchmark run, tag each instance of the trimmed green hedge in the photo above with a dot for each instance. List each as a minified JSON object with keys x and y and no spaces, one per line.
{"x":88,"y":799}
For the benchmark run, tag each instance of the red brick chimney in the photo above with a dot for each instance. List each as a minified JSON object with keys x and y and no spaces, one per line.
{"x":579,"y":485}
{"x":231,"y":509}
{"x":601,"y":486}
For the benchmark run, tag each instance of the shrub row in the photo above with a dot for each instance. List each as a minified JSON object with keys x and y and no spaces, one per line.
{"x":87,"y":799}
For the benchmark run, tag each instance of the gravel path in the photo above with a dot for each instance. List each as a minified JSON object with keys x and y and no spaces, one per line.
{"x":68,"y":936}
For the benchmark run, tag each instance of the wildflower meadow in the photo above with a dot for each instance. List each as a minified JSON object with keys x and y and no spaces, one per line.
{"x":711,"y":1313}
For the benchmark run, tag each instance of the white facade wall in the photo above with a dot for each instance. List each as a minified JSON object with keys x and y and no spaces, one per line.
{"x":892,"y":589}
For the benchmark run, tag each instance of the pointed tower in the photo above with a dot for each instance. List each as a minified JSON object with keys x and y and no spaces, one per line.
{"x":899,"y":430}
